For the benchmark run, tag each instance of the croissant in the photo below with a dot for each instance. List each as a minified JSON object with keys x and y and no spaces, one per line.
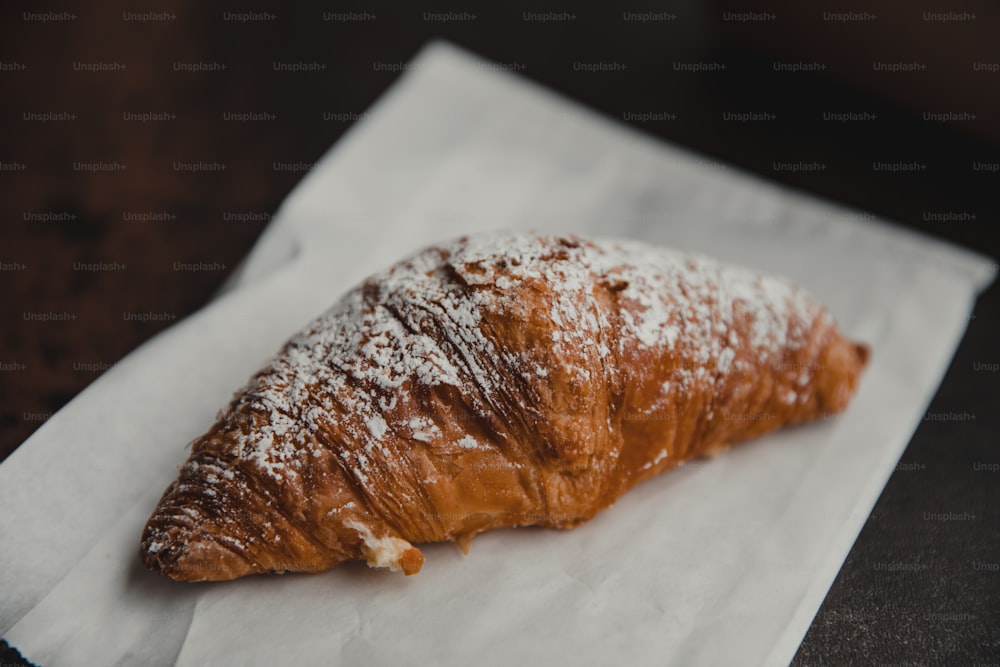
{"x":498,"y":380}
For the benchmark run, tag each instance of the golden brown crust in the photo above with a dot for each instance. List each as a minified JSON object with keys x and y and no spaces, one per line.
{"x":499,"y":380}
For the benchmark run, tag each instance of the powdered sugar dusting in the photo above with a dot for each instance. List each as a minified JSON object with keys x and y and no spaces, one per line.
{"x":468,"y":442}
{"x":377,"y":426}
{"x":659,"y":457}
{"x":425,"y":322}
{"x":424,"y":429}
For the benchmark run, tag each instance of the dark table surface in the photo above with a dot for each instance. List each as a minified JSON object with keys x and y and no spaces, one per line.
{"x":101,"y":105}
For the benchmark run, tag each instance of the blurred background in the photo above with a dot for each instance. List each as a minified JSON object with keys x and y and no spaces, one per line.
{"x":110,"y":235}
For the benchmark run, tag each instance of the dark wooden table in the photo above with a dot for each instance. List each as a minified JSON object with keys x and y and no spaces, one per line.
{"x":137,"y":166}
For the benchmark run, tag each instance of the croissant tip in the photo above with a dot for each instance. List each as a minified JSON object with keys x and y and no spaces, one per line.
{"x":184,"y":558}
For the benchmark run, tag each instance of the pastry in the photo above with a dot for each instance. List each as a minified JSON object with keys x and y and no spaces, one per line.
{"x":502,"y":379}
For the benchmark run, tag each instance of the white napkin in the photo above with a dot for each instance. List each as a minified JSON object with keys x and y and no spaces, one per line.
{"x":723,"y":562}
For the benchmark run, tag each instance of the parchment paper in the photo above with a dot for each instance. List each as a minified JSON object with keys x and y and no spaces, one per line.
{"x":721,"y":562}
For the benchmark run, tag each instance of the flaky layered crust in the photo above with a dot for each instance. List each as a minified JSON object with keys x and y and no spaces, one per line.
{"x":499,"y":380}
